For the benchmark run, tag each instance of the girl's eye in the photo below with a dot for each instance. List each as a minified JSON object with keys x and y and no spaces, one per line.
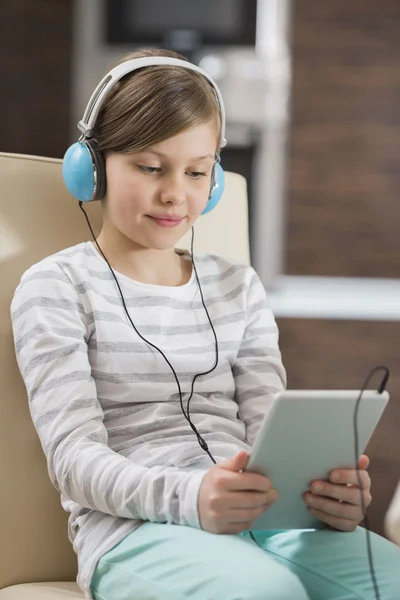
{"x":196,"y":174}
{"x":149,"y":169}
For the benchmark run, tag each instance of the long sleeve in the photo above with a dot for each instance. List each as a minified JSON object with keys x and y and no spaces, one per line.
{"x":258,"y":370}
{"x":51,"y":337}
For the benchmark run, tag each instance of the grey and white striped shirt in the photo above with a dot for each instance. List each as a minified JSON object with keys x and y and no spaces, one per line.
{"x":105,"y":404}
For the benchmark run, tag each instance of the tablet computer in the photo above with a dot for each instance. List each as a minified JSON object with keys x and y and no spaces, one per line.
{"x":305,"y":435}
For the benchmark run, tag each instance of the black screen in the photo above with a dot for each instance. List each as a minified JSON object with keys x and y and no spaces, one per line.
{"x":212,"y":22}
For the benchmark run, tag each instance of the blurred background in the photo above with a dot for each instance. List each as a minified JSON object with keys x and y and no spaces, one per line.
{"x":312,"y":93}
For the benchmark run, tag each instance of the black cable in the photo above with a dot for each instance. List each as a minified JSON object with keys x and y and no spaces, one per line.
{"x":201,"y":440}
{"x":381,"y":389}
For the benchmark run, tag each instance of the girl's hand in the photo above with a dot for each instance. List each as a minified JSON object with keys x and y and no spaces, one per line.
{"x":229,"y":500}
{"x":337,"y":502}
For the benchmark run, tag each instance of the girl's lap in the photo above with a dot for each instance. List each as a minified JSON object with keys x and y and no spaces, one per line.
{"x":175,"y":562}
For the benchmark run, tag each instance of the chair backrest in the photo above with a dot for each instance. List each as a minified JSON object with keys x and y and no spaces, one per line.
{"x":37,"y":218}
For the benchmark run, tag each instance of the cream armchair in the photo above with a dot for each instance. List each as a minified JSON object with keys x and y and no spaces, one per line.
{"x":392,"y":518}
{"x":37,"y":218}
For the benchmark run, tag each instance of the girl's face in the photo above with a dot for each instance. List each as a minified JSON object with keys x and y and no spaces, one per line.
{"x":155,"y":195}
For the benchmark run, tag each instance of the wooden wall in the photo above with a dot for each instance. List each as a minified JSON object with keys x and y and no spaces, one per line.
{"x":344,"y":210}
{"x":35,"y":67}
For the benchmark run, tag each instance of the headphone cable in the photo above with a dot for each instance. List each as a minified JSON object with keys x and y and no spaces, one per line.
{"x":200,"y":439}
{"x":381,"y":388}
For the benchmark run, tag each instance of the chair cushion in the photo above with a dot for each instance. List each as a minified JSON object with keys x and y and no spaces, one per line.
{"x":42,"y":591}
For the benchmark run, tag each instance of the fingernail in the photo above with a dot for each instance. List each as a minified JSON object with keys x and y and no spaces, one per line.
{"x":317,"y":488}
{"x":335,"y":476}
{"x":272,"y":496}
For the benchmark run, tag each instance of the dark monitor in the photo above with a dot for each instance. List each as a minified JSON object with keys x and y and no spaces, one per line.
{"x":181,"y":23}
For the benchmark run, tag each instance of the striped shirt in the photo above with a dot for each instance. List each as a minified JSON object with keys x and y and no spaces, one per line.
{"x":105,"y":404}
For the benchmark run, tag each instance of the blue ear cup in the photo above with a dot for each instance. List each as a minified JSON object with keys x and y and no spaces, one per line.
{"x":78,"y":172}
{"x":217,"y":188}
{"x":83,"y":171}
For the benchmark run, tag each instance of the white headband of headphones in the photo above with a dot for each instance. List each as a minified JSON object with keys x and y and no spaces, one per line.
{"x":86,"y":124}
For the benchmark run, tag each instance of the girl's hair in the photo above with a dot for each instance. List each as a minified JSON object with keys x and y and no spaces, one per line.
{"x":153,"y":104}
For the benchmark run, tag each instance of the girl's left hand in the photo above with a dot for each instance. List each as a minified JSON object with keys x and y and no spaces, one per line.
{"x":337,"y":502}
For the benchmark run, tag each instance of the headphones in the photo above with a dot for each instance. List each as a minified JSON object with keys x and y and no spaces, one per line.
{"x":83,"y":167}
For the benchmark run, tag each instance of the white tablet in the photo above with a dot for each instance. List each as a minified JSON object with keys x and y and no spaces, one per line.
{"x":305,"y":435}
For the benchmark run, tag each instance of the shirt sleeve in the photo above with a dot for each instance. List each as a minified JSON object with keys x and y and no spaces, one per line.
{"x":392,"y":518}
{"x":258,"y":369}
{"x":50,"y":335}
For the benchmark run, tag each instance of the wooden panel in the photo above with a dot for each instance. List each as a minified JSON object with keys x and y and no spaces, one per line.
{"x":338,"y":354}
{"x":35,"y":57}
{"x":344,"y":209}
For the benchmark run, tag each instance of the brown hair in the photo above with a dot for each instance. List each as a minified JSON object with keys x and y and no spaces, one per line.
{"x":153,"y":104}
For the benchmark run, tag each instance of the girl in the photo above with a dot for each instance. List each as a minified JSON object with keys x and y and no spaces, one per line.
{"x":145,"y":366}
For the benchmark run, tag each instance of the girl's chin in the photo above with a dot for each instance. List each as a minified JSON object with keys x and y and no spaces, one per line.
{"x":155,"y":243}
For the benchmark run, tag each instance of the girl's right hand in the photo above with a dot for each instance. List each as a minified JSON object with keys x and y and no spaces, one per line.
{"x":231,"y":500}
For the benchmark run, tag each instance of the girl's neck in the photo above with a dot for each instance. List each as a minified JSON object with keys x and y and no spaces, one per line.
{"x":154,"y":267}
